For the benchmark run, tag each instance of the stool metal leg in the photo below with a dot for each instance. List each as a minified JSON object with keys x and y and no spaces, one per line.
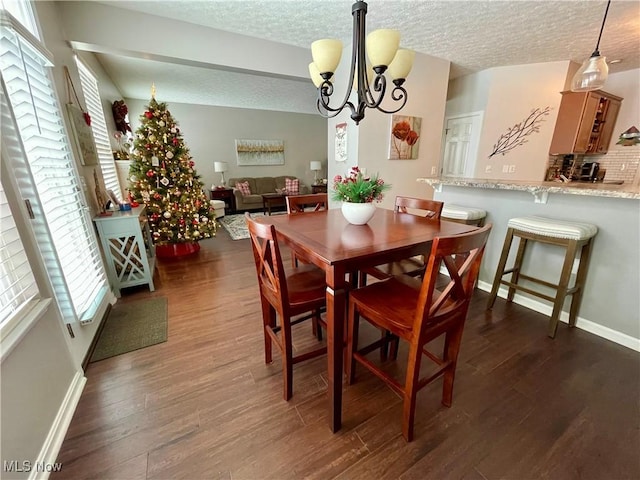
{"x":580,"y":281}
{"x":500,"y":269}
{"x":563,"y":286}
{"x":517,"y":266}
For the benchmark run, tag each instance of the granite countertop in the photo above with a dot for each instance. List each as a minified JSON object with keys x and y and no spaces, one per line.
{"x":541,"y":189}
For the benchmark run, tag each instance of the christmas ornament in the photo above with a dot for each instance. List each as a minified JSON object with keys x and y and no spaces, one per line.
{"x":169,"y":155}
{"x":175,"y":141}
{"x":182,"y":222}
{"x":164,"y":181}
{"x":152,"y":138}
{"x":174,"y":130}
{"x":150,"y":173}
{"x":161,"y":123}
{"x":167,"y":214}
{"x":148,"y":114}
{"x":204,"y":219}
{"x":157,"y":196}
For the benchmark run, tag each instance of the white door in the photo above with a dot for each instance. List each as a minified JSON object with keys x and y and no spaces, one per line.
{"x":462,"y":135}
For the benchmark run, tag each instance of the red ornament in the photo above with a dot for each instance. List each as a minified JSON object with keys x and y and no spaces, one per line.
{"x":195,"y":221}
{"x":197,"y":203}
{"x":176,"y":141}
{"x":191,"y":163}
{"x":157,"y":196}
{"x":148,"y":114}
{"x":155,"y":216}
{"x":150,"y":173}
{"x":182,"y":221}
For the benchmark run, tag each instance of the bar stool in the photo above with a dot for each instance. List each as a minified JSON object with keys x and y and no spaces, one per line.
{"x":466,"y":215}
{"x":570,"y":235}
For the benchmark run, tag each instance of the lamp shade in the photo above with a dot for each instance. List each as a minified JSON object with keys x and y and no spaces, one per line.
{"x":401,"y":64}
{"x":326,"y":54}
{"x":315,"y":165}
{"x":220,"y":167}
{"x":591,"y":75}
{"x":382,"y":46}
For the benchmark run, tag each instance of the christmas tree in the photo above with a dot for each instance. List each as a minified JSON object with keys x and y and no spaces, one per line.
{"x":162,"y":176}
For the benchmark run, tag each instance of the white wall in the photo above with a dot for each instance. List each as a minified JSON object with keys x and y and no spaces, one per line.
{"x":368,"y":143}
{"x":511,"y":94}
{"x":210,"y":132}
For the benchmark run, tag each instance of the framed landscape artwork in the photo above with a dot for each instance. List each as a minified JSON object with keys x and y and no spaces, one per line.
{"x":260,"y":152}
{"x":404,"y":141}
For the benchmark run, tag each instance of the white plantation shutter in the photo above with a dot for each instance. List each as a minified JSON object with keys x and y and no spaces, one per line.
{"x":49,"y":173}
{"x":17,"y":285}
{"x":99,"y":128}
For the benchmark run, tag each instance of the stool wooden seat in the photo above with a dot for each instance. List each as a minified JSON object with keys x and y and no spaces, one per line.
{"x":570,"y":235}
{"x":466,"y":215}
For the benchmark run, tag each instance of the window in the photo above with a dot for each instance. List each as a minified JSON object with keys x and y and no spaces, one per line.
{"x":17,"y":285}
{"x":46,"y":175}
{"x":99,"y":128}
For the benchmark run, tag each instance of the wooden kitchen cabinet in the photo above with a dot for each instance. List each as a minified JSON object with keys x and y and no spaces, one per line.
{"x":585,"y":123}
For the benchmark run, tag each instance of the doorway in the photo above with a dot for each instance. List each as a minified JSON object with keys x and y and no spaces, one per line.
{"x":462,"y":136}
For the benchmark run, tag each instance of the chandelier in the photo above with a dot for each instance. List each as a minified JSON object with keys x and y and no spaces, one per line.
{"x":367,"y":80}
{"x":594,"y":70}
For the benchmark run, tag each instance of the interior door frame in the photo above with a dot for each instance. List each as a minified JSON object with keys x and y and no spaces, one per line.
{"x":475,"y":141}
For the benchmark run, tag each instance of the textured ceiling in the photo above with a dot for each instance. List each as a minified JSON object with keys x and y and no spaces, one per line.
{"x":473,"y":35}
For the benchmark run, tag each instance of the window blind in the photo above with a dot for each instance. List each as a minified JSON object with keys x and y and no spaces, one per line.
{"x":99,"y":128}
{"x":17,"y":284}
{"x":36,"y":113}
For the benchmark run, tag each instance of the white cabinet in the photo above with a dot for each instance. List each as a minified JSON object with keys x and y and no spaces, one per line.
{"x":128,"y":248}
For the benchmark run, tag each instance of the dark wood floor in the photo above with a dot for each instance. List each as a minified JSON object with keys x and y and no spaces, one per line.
{"x":204,"y":405}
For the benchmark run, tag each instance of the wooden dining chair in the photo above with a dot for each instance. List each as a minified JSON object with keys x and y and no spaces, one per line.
{"x":302,"y":203}
{"x":296,"y":204}
{"x":414,"y":266}
{"x":299,"y":294}
{"x":418,"y":315}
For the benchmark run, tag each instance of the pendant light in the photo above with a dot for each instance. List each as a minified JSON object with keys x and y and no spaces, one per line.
{"x":594,"y":70}
{"x":366,"y":79}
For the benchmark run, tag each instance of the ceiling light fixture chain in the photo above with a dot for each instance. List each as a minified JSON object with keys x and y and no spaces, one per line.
{"x":381,"y":47}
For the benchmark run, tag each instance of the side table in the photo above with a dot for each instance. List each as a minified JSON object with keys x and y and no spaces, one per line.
{"x":226,"y":195}
{"x":128,"y":248}
{"x":322,"y":188}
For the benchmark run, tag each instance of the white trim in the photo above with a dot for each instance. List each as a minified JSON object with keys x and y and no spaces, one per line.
{"x":13,"y":334}
{"x":53,"y":442}
{"x":581,"y":323}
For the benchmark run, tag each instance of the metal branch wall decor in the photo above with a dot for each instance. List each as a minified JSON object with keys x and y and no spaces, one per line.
{"x":517,"y":135}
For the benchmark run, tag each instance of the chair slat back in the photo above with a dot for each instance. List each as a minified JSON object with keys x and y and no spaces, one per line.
{"x":461,"y":255}
{"x":297,"y":203}
{"x":431,"y":208}
{"x":268,"y":260}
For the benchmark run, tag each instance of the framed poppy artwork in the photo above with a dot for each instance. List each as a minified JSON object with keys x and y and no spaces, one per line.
{"x":404,"y":139}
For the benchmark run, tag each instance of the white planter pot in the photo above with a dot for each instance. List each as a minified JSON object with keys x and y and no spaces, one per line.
{"x":358,"y":213}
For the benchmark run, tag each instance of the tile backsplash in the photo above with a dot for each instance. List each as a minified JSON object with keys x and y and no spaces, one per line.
{"x":620,"y":163}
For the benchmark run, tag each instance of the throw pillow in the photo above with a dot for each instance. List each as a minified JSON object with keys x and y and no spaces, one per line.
{"x":244,"y":188}
{"x":292,"y":186}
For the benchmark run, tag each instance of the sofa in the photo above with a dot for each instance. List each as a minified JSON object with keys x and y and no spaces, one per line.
{"x":258,"y":186}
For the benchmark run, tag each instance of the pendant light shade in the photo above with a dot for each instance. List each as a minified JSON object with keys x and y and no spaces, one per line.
{"x":594,"y":70}
{"x":591,"y":75}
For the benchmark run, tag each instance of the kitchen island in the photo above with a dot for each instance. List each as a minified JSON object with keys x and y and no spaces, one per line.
{"x":611,"y":301}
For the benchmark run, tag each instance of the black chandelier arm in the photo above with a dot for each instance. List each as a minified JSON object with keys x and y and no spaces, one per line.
{"x":397,"y":94}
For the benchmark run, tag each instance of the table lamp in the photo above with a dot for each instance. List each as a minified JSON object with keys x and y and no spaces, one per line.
{"x":316,"y":167}
{"x":221,"y":167}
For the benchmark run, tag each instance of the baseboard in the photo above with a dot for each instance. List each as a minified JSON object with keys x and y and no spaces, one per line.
{"x":581,"y":323}
{"x":51,"y":446}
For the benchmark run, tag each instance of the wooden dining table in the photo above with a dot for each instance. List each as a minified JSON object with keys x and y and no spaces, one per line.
{"x":326,"y":240}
